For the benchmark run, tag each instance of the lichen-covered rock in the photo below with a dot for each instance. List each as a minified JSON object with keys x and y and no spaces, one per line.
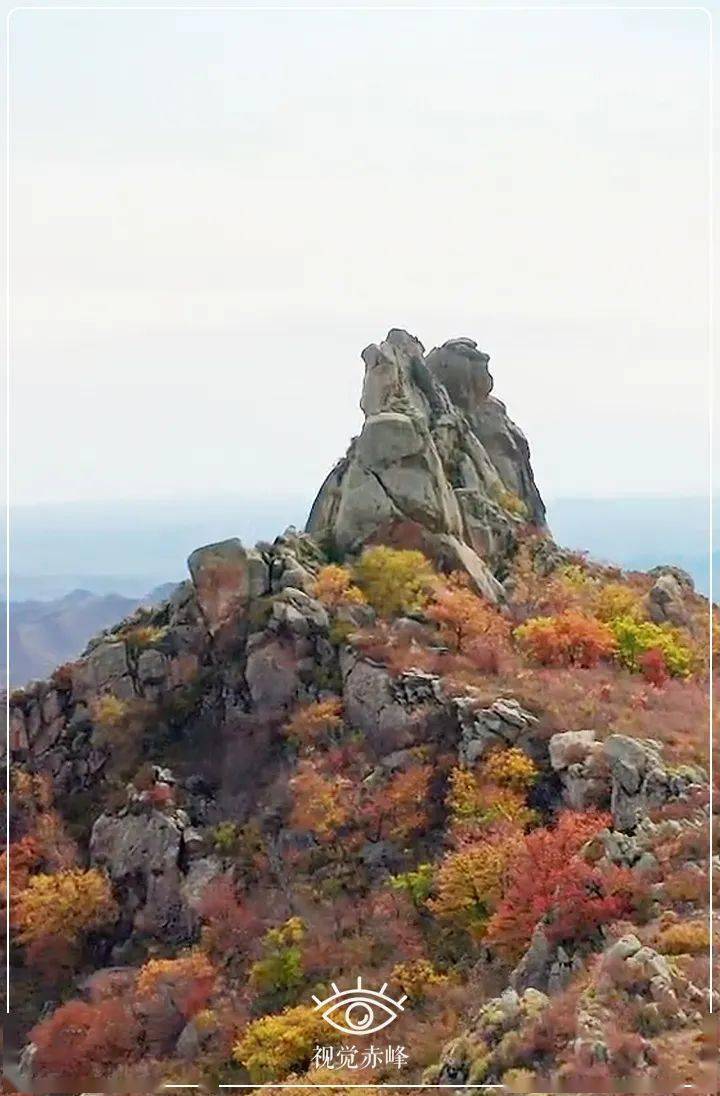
{"x":420,"y":473}
{"x":486,"y":1049}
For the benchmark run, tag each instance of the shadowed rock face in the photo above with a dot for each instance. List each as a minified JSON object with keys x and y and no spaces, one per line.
{"x":463,"y":370}
{"x":438,"y":464}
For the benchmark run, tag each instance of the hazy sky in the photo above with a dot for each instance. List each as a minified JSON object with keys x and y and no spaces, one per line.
{"x":212,"y":213}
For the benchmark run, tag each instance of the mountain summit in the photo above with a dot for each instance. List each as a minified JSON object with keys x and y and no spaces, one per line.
{"x":438,"y":463}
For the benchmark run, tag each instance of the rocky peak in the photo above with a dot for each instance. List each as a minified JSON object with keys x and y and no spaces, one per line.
{"x":438,"y":464}
{"x":463,"y":370}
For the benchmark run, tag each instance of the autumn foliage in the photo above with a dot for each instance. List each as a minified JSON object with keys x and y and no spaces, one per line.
{"x":334,"y":587}
{"x":313,"y":722}
{"x":544,"y":862}
{"x":321,"y":804}
{"x":569,"y":639}
{"x":471,"y":879}
{"x":55,"y":912}
{"x":467,"y":623}
{"x":272,"y":1045}
{"x":185,"y":982}
{"x":394,"y":580}
{"x":377,"y":847}
{"x":82,"y":1040}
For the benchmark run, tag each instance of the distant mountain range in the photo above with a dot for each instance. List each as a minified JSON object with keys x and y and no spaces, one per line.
{"x":81,"y":567}
{"x":43,"y":634}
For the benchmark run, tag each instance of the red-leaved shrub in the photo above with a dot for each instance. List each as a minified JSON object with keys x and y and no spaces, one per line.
{"x":545,"y":861}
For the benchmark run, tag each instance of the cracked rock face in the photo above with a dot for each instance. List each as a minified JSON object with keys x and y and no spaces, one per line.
{"x":438,"y":465}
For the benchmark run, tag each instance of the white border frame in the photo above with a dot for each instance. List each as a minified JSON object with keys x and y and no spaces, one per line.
{"x":478,"y":8}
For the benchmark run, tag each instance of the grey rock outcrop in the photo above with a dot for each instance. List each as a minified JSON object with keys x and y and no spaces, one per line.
{"x":448,"y":475}
{"x":153,"y":857}
{"x":394,"y":712}
{"x":482,"y":1053}
{"x":504,"y":723}
{"x":666,"y":599}
{"x":141,"y":853}
{"x":243,"y":631}
{"x":545,"y":966}
{"x":626,"y":774}
{"x":463,"y":370}
{"x":227,"y":577}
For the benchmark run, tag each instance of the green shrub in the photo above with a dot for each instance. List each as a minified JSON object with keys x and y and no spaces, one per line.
{"x":418,"y":884}
{"x":225,"y":838}
{"x":635,"y":638}
{"x":280,"y":970}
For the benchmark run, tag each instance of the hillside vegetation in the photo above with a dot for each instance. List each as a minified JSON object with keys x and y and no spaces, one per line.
{"x":418,"y":743}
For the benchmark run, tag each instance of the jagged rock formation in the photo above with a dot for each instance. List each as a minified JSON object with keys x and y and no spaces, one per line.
{"x":625,"y":774}
{"x":437,"y":465}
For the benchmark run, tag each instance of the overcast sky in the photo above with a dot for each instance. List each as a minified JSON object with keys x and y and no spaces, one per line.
{"x":212,"y":213}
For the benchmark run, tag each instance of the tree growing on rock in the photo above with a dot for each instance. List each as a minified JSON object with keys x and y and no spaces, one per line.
{"x":186,"y":982}
{"x":313,"y":722}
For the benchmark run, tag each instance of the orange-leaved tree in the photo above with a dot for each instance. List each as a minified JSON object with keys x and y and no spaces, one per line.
{"x":571,"y":638}
{"x":471,"y":879}
{"x":311,"y":723}
{"x":184,"y":983}
{"x":463,"y":618}
{"x":54,"y":912}
{"x":474,"y":801}
{"x":334,"y":587}
{"x":397,"y":809}
{"x":321,"y":805}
